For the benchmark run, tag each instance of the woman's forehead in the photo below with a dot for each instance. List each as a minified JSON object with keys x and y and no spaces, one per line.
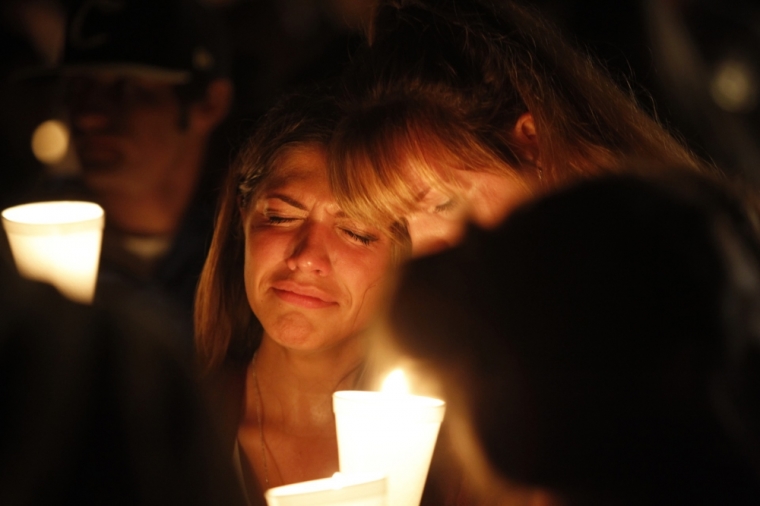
{"x":296,"y":164}
{"x":291,"y":159}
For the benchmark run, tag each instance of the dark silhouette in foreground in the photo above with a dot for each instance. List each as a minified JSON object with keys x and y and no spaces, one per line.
{"x":602,"y":345}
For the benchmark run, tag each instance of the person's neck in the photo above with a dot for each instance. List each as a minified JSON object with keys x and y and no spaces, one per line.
{"x":297,"y":387}
{"x":287,"y":430}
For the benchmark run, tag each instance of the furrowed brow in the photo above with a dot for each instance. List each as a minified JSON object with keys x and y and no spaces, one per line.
{"x":288,"y":200}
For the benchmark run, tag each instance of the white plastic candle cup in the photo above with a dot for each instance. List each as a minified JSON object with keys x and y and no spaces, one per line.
{"x":391,"y":434}
{"x":341,"y":490}
{"x":58,"y":243}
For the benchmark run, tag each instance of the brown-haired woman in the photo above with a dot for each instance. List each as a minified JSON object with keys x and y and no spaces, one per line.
{"x":464,"y":108}
{"x":288,"y":287}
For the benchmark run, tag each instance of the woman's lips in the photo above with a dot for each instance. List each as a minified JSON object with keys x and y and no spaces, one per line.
{"x":297,"y":297}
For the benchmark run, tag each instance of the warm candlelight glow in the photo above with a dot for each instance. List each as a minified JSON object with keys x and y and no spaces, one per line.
{"x":340,"y":490}
{"x":57,"y":243}
{"x":396,"y":383}
{"x":389,"y":432}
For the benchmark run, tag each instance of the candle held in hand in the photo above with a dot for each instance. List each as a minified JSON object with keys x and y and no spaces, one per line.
{"x":388,"y":432}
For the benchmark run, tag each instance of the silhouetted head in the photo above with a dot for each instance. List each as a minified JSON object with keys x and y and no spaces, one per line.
{"x":603,"y":342}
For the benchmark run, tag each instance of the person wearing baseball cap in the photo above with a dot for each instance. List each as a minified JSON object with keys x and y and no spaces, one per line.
{"x":146,"y":86}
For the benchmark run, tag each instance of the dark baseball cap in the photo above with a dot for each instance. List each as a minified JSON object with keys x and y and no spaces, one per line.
{"x":172,"y":40}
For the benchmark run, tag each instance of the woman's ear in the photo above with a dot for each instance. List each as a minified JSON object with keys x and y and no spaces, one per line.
{"x":524,"y":134}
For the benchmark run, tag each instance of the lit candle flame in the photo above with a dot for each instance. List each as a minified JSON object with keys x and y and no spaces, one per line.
{"x":395,"y":383}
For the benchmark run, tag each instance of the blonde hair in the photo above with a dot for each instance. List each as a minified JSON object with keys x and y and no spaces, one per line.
{"x":441,"y":86}
{"x":372,"y":153}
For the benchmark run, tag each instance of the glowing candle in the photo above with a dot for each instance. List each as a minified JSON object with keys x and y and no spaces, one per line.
{"x":388,"y":432}
{"x":58,"y":243}
{"x":340,"y":490}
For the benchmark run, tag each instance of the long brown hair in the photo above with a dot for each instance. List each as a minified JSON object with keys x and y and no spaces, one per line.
{"x":226,"y":330}
{"x":444,"y":82}
{"x":225,"y":327}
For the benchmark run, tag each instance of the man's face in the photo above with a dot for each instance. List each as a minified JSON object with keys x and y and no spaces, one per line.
{"x":126,"y":131}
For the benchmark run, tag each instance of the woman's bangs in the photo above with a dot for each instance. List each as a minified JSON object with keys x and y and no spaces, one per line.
{"x":383,"y":164}
{"x":367,"y":175}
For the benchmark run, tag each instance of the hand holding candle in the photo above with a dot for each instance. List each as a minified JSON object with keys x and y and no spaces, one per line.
{"x":388,"y":432}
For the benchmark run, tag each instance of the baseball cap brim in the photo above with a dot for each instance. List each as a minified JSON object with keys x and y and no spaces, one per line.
{"x":169,"y":76}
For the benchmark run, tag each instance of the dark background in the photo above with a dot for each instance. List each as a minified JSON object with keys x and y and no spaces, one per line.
{"x":672,"y":54}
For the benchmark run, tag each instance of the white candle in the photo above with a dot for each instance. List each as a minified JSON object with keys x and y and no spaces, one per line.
{"x":390,"y":433}
{"x":58,"y":243}
{"x":340,"y":490}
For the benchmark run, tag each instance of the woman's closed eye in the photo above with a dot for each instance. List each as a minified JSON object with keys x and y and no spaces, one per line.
{"x":274,"y":219}
{"x":353,"y":234}
{"x":275,"y":212}
{"x":360,"y":237}
{"x":447,"y":206}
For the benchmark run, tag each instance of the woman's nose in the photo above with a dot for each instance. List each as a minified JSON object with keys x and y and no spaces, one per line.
{"x":311,"y":250}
